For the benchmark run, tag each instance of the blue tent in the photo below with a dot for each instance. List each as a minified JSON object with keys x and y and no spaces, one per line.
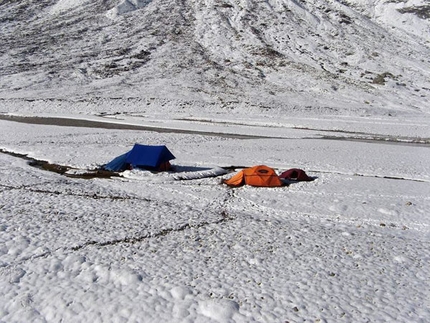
{"x":142,"y":156}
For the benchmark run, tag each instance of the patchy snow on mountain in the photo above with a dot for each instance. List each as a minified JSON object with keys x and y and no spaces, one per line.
{"x":276,"y":54}
{"x":126,"y":6}
{"x":65,"y":5}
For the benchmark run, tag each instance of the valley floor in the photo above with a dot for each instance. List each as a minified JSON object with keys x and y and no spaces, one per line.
{"x":351,"y":246}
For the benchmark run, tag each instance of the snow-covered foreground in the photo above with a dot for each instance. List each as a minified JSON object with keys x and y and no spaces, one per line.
{"x":351,"y":246}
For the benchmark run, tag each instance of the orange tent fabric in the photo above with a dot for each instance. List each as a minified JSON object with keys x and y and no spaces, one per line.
{"x":261,"y":176}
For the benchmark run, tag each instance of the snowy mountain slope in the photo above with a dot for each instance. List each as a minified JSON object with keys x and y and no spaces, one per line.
{"x":344,"y":54}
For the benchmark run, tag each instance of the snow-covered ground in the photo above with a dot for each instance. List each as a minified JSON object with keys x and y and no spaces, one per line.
{"x":351,"y":246}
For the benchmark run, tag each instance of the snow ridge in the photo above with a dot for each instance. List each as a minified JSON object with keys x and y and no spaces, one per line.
{"x":127,"y":6}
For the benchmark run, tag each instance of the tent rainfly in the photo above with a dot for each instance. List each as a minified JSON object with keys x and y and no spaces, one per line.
{"x":142,"y":156}
{"x":295,"y":174}
{"x":260,"y":175}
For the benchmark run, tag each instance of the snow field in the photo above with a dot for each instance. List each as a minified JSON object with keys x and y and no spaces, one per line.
{"x":149,"y":248}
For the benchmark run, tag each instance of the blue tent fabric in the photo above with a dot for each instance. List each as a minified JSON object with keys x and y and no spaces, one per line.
{"x":141,"y":156}
{"x":117,"y":163}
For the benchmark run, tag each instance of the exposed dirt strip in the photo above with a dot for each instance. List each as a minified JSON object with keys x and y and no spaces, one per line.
{"x":352,"y":136}
{"x":61,"y":169}
{"x":69,"y":122}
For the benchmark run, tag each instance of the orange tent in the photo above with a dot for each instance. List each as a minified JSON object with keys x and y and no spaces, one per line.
{"x":260,"y":175}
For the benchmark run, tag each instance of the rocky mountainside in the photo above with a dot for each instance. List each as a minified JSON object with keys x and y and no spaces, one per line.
{"x":336,"y":53}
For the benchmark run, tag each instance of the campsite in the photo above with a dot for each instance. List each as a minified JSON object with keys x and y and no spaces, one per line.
{"x":160,"y":246}
{"x":214,"y":161}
